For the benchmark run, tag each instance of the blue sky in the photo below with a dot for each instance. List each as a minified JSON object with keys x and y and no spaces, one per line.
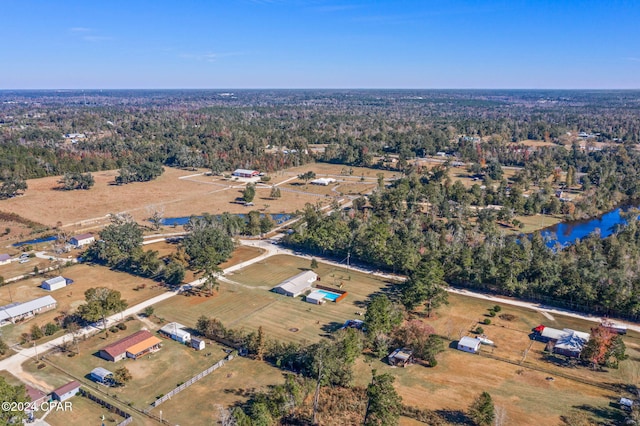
{"x":319,"y":44}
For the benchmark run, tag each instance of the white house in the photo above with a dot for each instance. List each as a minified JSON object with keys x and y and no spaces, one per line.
{"x":55,"y":283}
{"x":5,"y":259}
{"x":177,"y":332}
{"x":469,"y":344}
{"x":322,"y":181}
{"x":67,"y":391}
{"x":82,"y":240}
{"x":18,"y":311}
{"x":296,"y":285}
{"x":316,"y":297}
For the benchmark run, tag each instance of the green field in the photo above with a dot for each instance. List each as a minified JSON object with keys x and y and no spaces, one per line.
{"x":249,"y":303}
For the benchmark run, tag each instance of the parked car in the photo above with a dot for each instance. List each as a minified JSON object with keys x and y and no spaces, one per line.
{"x":24,"y":260}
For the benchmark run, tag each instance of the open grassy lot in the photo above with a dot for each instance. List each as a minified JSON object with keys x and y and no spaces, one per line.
{"x":339,"y":170}
{"x":87,"y":412}
{"x":69,"y":298}
{"x":224,"y":388}
{"x":249,"y":303}
{"x":175,"y":191}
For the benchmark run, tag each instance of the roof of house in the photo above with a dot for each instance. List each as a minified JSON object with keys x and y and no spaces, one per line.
{"x":101,"y":372}
{"x":82,"y":236}
{"x":298,"y":283}
{"x":572,"y":341}
{"x":4,"y":257}
{"x":175,"y":328}
{"x":67,"y":388}
{"x":14,"y":310}
{"x":470,"y":342}
{"x":244,"y":171}
{"x":144,"y":345}
{"x":555,"y":334}
{"x":323,"y":181}
{"x":34,"y":394}
{"x":121,"y":346}
{"x":55,"y":280}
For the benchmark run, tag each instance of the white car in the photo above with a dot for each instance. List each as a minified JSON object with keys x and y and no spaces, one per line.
{"x":24,"y":260}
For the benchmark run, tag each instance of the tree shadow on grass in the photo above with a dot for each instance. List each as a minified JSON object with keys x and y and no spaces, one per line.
{"x":610,"y":413}
{"x":331,"y":327}
{"x":456,"y":417}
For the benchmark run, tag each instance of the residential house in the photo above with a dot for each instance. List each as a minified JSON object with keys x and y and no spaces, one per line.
{"x":297,"y":285}
{"x":469,"y":344}
{"x":67,"y":391}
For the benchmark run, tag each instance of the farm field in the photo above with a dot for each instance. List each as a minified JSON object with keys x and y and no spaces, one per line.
{"x":176,"y":191}
{"x":70,"y":297}
{"x":248,"y":303}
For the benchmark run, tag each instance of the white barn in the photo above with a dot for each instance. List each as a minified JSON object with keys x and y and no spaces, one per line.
{"x":297,"y":285}
{"x":82,"y":240}
{"x":323,"y":181}
{"x":469,"y":344}
{"x":18,"y":311}
{"x":177,"y":332}
{"x":54,"y":283}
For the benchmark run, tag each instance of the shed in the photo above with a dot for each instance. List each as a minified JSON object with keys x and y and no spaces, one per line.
{"x":5,"y":259}
{"x":626,"y":404}
{"x":82,"y":240}
{"x":176,"y":331}
{"x":101,"y":375}
{"x":469,"y":344}
{"x":67,"y":391}
{"x":197,"y":344}
{"x":316,"y":297}
{"x":401,"y":357}
{"x":296,"y":285}
{"x":55,"y":283}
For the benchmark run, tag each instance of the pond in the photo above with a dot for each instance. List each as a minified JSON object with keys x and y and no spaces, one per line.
{"x":567,"y":233}
{"x":279,"y":219}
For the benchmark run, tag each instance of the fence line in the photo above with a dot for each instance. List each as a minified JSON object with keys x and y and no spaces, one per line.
{"x":189,"y":382}
{"x":127,"y":417}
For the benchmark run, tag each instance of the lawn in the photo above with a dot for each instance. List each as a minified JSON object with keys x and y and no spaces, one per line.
{"x":85,"y":412}
{"x":69,"y":298}
{"x":248,"y":303}
{"x":225,"y":387}
{"x":153,"y":375}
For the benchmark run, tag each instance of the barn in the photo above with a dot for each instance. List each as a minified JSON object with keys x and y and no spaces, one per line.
{"x":177,"y":332}
{"x":55,"y":283}
{"x":400,"y":357}
{"x":82,"y":240}
{"x":118,"y":350}
{"x":244,"y":173}
{"x":469,"y":344}
{"x":19,"y":311}
{"x":67,"y":391}
{"x":297,"y":285}
{"x":322,"y":181}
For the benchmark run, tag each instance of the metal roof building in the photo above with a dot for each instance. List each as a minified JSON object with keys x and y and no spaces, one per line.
{"x":18,"y":311}
{"x":296,"y":285}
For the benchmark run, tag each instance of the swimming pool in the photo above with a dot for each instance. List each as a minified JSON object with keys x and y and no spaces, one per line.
{"x":329,"y":295}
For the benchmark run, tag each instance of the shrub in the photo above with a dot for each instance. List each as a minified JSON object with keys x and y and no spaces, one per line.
{"x":122,"y":326}
{"x":114,"y":329}
{"x":50,"y":328}
{"x":36,"y":332}
{"x":479,"y":330}
{"x":492,"y":313}
{"x":497,"y":308}
{"x":487,"y":321}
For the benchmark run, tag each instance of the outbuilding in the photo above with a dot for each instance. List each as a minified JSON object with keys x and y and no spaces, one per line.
{"x":401,"y":357}
{"x":82,"y":240}
{"x":197,"y":344}
{"x":316,"y":297}
{"x":67,"y":391}
{"x":5,"y":259}
{"x":177,"y":332}
{"x":244,"y":173}
{"x":323,"y":181}
{"x":101,"y":375}
{"x":469,"y":344}
{"x":297,"y":285}
{"x":19,"y":311}
{"x":55,"y":283}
